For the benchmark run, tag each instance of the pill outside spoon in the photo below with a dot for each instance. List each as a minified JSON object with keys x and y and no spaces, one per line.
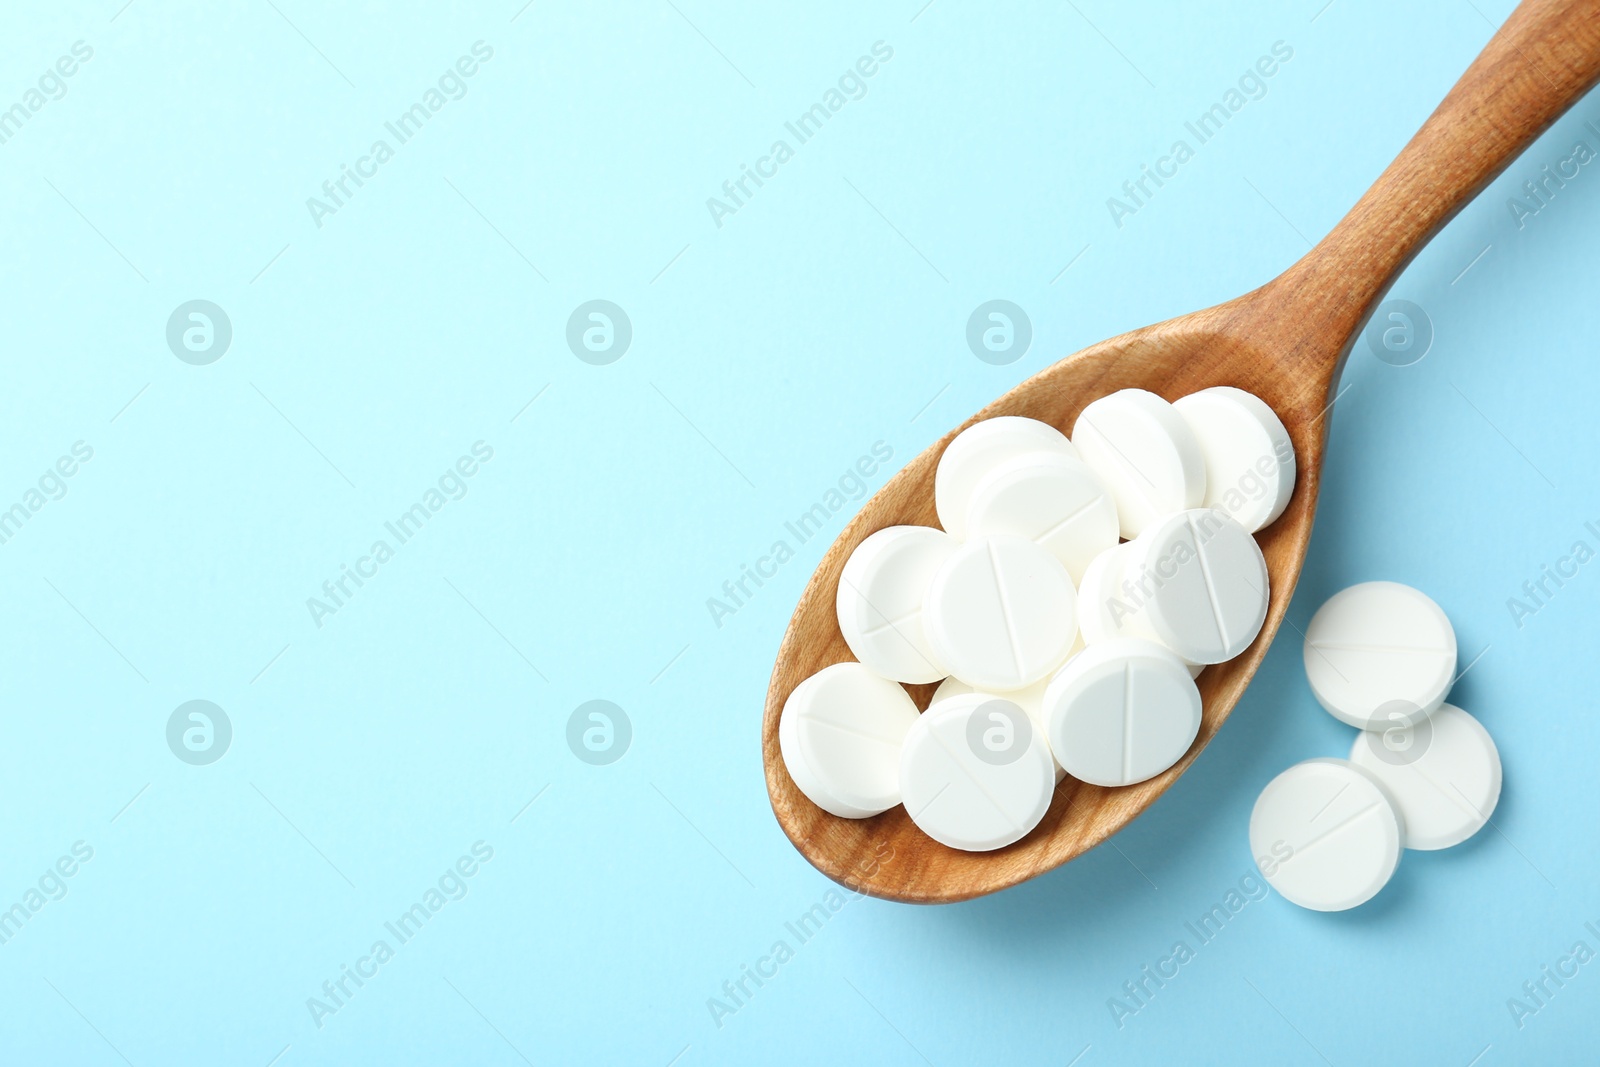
{"x":1284,"y":342}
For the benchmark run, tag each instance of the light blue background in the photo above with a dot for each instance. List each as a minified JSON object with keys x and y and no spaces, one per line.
{"x":768,"y":354}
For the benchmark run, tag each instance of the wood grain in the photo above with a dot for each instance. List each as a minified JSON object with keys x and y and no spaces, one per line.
{"x":1285,"y":342}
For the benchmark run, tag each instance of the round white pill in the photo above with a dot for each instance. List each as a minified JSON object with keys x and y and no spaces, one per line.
{"x":1248,"y":454}
{"x":879,"y":601}
{"x":1051,"y":499}
{"x":975,"y":773}
{"x":1121,"y":711}
{"x":1326,"y":835}
{"x":1144,"y":453}
{"x":1030,"y":700}
{"x":1106,"y":610}
{"x":1443,"y":773}
{"x":1380,"y":651}
{"x":979,"y":449}
{"x":1199,"y":581}
{"x":1000,"y":613}
{"x":840,"y":735}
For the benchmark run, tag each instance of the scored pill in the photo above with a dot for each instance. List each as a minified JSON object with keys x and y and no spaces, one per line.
{"x":979,"y":449}
{"x":1001,"y":613}
{"x":1052,"y":500}
{"x":1380,"y":651}
{"x":1201,"y":585}
{"x":1326,"y":835}
{"x":974,"y":773}
{"x":1121,"y":712}
{"x":840,"y":735}
{"x":1443,"y":773}
{"x":880,"y":597}
{"x":1144,"y":453}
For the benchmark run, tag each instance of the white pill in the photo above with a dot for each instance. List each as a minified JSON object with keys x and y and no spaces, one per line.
{"x":1106,"y":610}
{"x":1144,"y":452}
{"x":1053,"y":500}
{"x":1000,"y":613}
{"x":840,"y":735}
{"x":1100,"y":599}
{"x":1249,"y":456}
{"x":975,"y":773}
{"x":1443,"y":773}
{"x":879,"y":602}
{"x":1378,"y":650}
{"x":1122,"y":711}
{"x":1030,"y":700}
{"x":1199,"y":581}
{"x":1326,"y":835}
{"x":979,"y":449}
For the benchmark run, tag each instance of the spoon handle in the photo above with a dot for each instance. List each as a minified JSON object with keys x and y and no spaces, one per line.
{"x":1541,"y":61}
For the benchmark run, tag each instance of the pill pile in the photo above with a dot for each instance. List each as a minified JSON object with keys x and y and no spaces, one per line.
{"x":1076,"y":589}
{"x":1422,"y":774}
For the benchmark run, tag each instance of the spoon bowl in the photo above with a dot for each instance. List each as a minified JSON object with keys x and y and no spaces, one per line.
{"x":1170,"y":359}
{"x":1284,"y":342}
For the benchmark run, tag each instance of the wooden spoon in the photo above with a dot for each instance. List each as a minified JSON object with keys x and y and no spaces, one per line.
{"x":1285,"y":342}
